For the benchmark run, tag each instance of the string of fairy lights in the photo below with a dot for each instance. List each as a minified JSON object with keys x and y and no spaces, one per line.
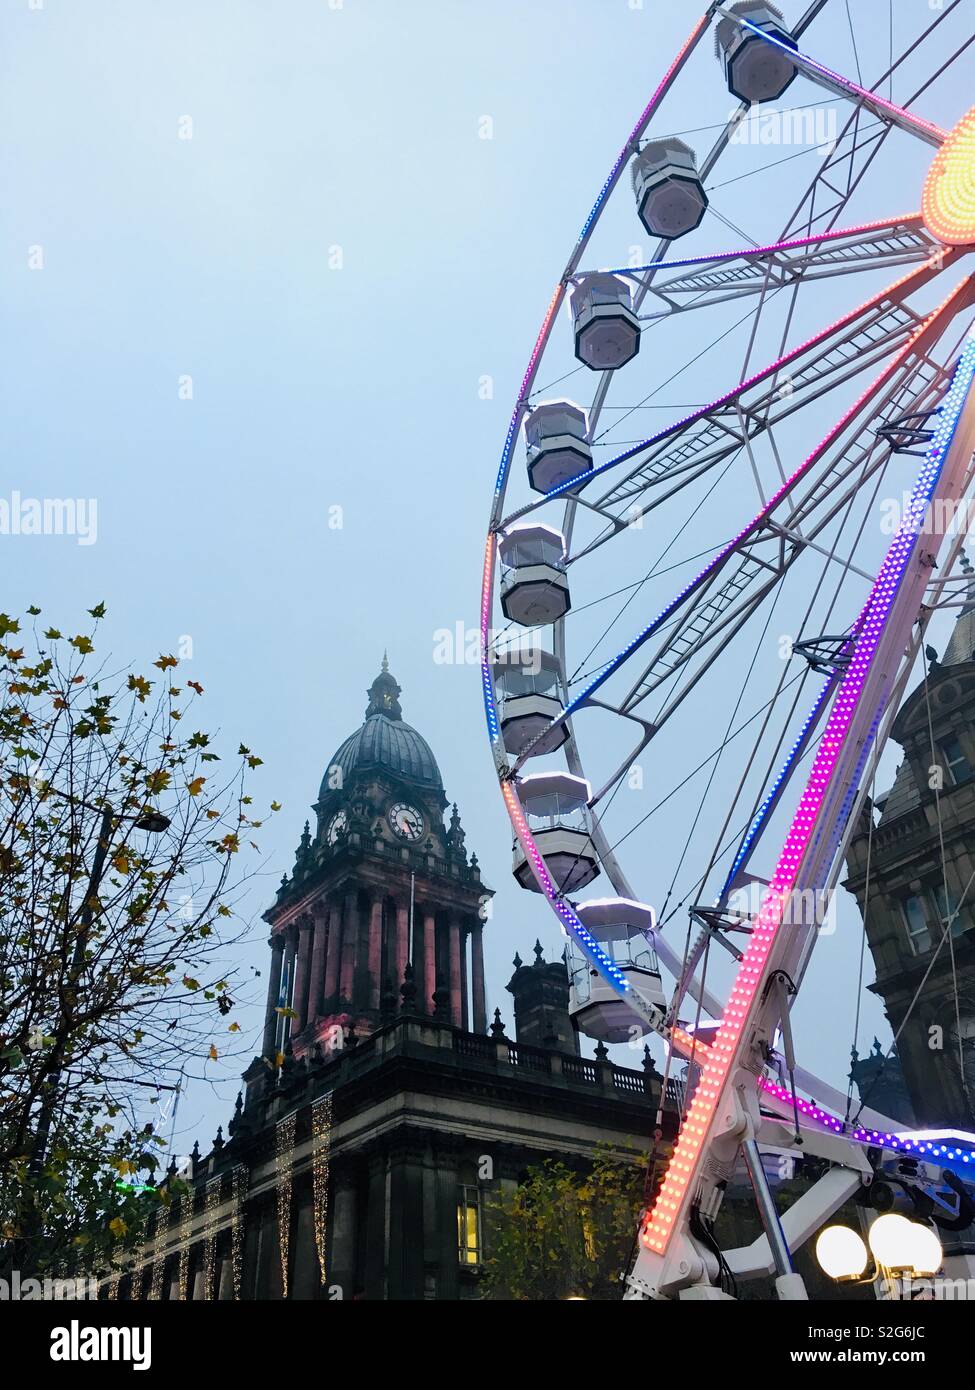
{"x":185,"y":1235}
{"x":284,"y":1164}
{"x":151,"y":1271}
{"x":163,"y":1218}
{"x":321,"y":1128}
{"x":211,"y":1209}
{"x":238,"y":1180}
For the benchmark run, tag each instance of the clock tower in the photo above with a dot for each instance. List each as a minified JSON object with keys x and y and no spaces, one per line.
{"x":383,"y":884}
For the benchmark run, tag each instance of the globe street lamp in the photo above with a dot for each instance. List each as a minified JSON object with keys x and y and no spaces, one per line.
{"x":898,"y":1247}
{"x":841,"y":1253}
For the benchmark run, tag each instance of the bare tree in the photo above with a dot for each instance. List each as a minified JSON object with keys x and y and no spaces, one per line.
{"x":120,"y":827}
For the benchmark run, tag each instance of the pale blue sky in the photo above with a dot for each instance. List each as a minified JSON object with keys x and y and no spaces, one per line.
{"x":316,"y":127}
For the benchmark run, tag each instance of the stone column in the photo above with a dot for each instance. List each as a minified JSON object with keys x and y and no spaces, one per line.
{"x":290,"y":953}
{"x":350,"y":940}
{"x":343,"y":1220}
{"x":477,"y":978}
{"x":406,"y":1233}
{"x":465,"y":1017}
{"x":429,"y":960}
{"x":302,"y":967}
{"x":402,"y":942}
{"x":318,"y":952}
{"x":446,"y":1160}
{"x":273,"y":991}
{"x":377,"y":1228}
{"x":375,"y":953}
{"x":453,"y":939}
{"x":334,"y":955}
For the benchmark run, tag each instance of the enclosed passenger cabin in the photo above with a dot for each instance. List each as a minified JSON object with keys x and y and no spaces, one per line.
{"x":670,"y":197}
{"x":607,"y":331}
{"x":534,"y":587}
{"x":555,"y":804}
{"x":755,"y":69}
{"x":598,"y":1010}
{"x":557,"y":436}
{"x":528,"y":694}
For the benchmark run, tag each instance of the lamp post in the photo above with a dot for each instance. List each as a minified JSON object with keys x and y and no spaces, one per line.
{"x":154,"y":823}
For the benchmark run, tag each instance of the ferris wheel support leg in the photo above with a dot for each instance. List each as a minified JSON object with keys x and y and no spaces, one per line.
{"x":788,"y":1284}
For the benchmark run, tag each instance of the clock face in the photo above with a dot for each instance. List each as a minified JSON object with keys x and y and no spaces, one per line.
{"x":336,"y":827}
{"x":406,"y":821}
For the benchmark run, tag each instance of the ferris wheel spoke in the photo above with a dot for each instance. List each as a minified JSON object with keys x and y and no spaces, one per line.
{"x":790,"y":383}
{"x":737,"y":553}
{"x":865,"y":334}
{"x":845,"y":472}
{"x":731,"y":275}
{"x":684,"y":453}
{"x":843,"y":86}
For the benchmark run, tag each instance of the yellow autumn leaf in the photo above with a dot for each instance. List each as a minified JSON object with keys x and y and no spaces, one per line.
{"x":212,"y":1053}
{"x":196,"y":786}
{"x":118,"y":1227}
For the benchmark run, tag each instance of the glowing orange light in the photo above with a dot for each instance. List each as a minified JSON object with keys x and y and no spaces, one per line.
{"x":948,"y":201}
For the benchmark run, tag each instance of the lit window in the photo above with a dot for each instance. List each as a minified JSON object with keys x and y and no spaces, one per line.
{"x":916,"y":921}
{"x":469,"y":1226}
{"x":959,"y":768}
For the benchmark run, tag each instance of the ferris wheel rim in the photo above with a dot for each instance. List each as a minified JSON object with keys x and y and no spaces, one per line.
{"x":608,"y":860}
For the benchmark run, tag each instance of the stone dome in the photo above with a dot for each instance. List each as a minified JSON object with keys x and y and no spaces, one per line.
{"x":385,"y":743}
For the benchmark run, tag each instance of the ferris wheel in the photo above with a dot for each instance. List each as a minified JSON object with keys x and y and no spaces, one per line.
{"x":696,"y":631}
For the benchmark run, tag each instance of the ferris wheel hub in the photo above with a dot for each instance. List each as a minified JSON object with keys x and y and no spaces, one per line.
{"x":948,"y":201}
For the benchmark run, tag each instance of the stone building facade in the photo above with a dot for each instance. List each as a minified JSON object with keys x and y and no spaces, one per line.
{"x":911,"y":867}
{"x":383,"y":1116}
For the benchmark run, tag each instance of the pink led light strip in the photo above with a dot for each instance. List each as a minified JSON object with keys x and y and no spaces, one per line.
{"x":683,"y":1165}
{"x":745,"y":253}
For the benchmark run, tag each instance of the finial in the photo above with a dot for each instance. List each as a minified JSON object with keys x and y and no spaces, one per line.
{"x":407,"y":991}
{"x":497,"y":1027}
{"x":601,"y":1051}
{"x":441,"y":1001}
{"x":385,"y":662}
{"x":517,"y":962}
{"x":539,"y":958}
